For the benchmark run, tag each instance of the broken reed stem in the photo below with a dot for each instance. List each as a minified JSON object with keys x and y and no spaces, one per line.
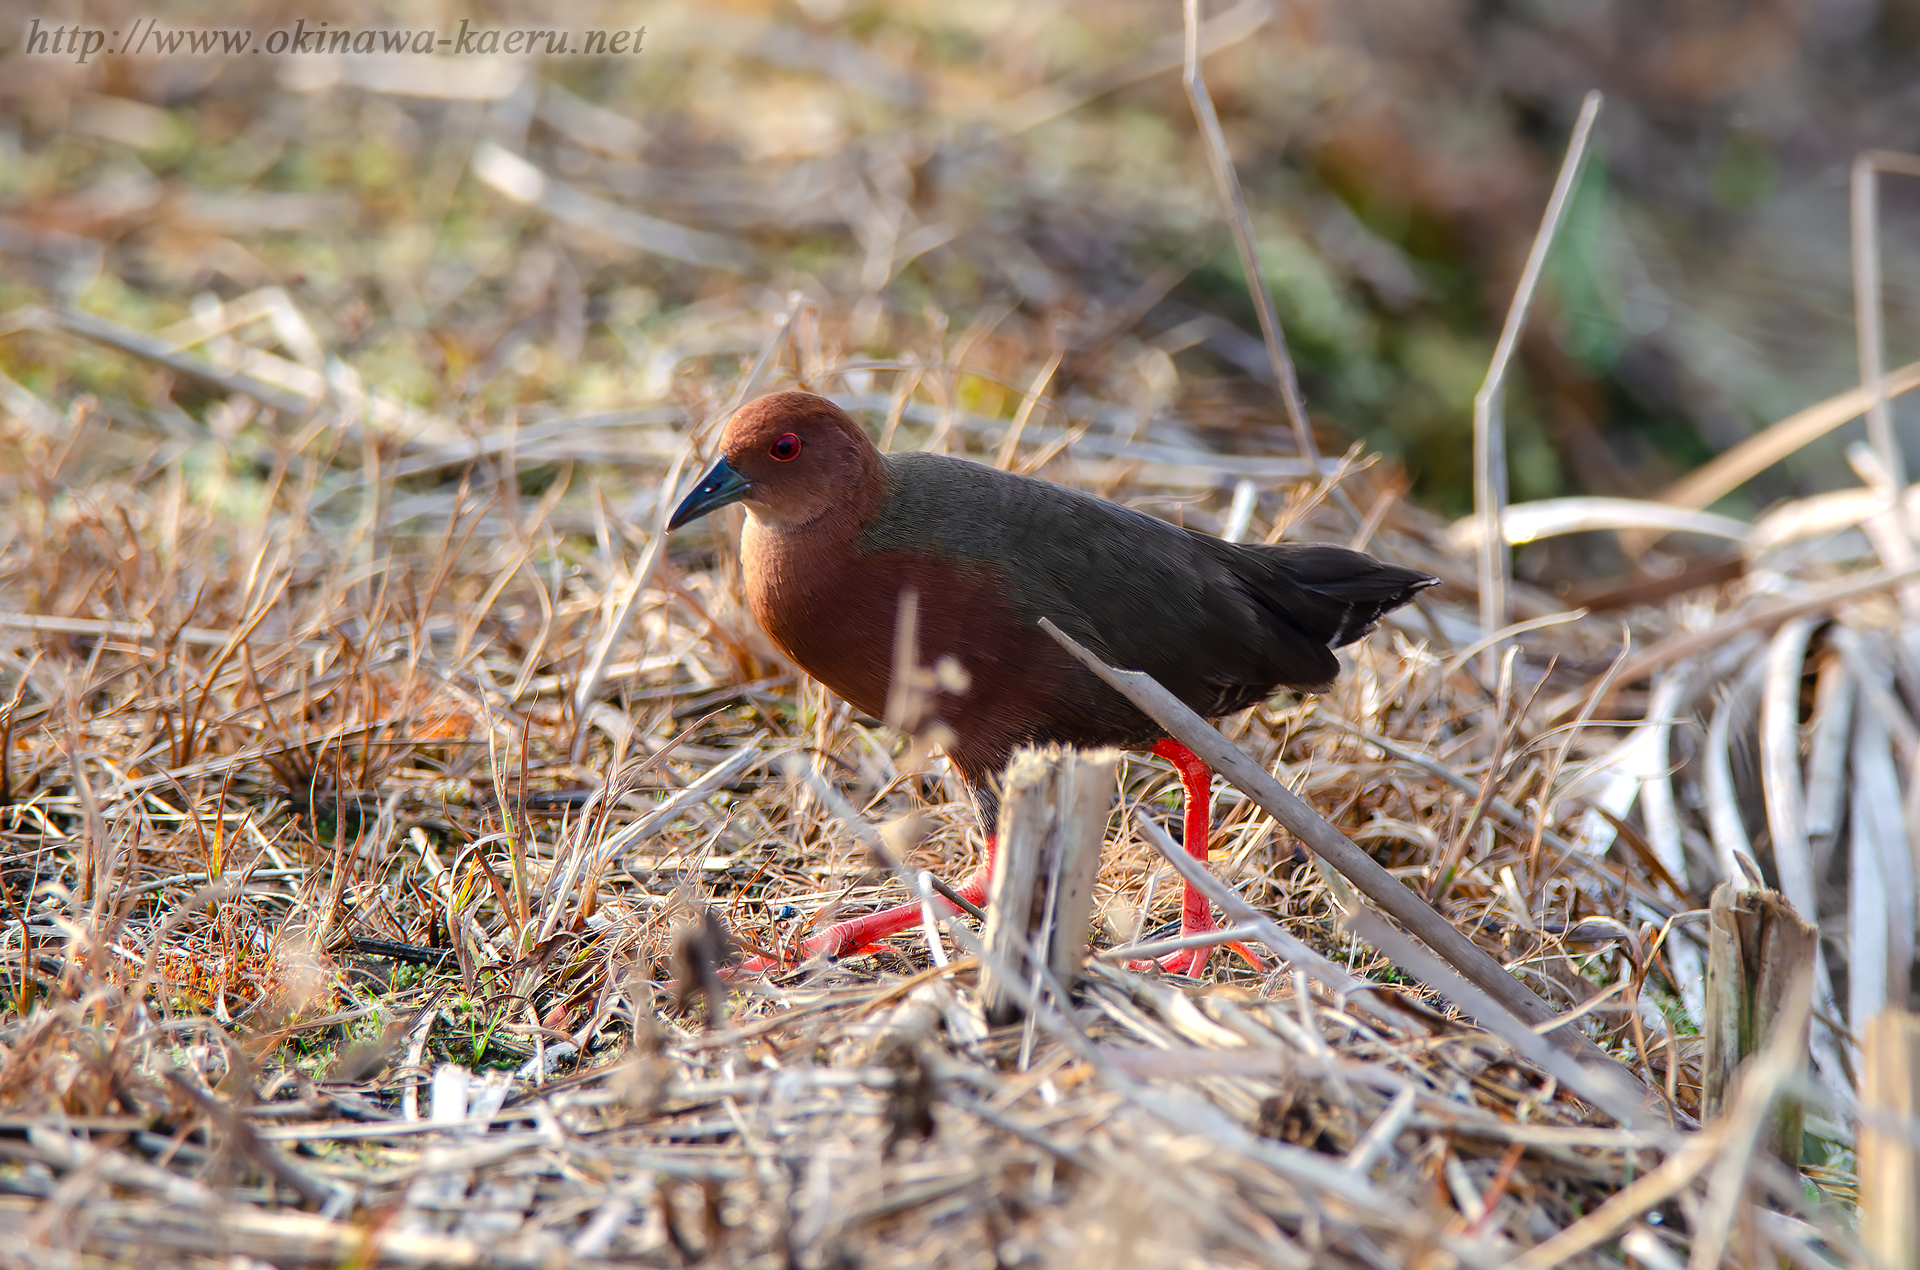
{"x":1757,"y":946}
{"x":1889,"y":1160}
{"x":1489,"y":426}
{"x":1053,"y":822}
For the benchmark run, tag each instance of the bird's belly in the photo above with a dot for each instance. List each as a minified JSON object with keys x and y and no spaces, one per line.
{"x":833,"y":618}
{"x":840,"y":621}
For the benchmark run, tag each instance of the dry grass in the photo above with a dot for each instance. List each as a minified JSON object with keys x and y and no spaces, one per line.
{"x":340,"y":922}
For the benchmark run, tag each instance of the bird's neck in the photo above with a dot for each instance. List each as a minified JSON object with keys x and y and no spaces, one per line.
{"x":793,"y":560}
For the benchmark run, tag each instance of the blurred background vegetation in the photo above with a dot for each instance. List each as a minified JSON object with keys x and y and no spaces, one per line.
{"x":989,"y":182}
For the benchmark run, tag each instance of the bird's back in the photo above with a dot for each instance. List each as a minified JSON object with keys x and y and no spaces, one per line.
{"x":1219,"y":624}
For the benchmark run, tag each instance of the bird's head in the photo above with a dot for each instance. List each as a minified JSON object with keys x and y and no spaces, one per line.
{"x":792,"y":458}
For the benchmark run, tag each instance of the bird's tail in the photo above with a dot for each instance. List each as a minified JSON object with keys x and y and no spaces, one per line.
{"x":1332,"y":594}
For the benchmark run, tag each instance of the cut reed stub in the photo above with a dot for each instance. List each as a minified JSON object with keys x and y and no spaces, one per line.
{"x":1889,"y":1161}
{"x":1053,"y":819}
{"x":1756,"y":946}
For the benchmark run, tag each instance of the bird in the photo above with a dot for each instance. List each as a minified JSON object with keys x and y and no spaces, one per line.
{"x":838,"y":534}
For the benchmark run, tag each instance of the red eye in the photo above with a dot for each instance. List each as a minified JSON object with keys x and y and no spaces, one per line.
{"x":786,"y":447}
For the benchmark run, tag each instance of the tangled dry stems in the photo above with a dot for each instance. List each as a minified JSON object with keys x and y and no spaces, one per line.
{"x":340,"y":920}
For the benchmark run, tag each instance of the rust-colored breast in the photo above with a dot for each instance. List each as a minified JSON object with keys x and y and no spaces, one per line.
{"x":835,"y":612}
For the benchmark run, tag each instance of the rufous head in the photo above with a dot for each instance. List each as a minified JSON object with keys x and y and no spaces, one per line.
{"x":792,"y":458}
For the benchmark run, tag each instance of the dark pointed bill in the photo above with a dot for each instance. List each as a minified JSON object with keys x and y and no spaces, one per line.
{"x":716,"y":489}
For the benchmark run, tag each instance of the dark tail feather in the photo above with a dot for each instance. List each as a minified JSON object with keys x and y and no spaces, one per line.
{"x":1336,"y":595}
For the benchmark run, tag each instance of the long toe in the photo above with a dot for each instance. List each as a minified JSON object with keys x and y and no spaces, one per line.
{"x":1247,"y":955}
{"x":863,"y":934}
{"x":856,"y":934}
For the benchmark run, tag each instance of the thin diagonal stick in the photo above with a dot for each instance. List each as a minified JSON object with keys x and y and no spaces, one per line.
{"x":1228,"y":182}
{"x":1319,"y":836}
{"x":1489,"y":422}
{"x":620,"y":615}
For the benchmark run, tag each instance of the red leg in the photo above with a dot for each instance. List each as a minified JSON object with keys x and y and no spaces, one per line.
{"x":859,"y":934}
{"x":1196,"y":915}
